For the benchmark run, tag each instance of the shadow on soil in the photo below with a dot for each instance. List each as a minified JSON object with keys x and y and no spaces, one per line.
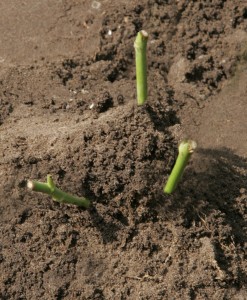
{"x":216,"y":191}
{"x":218,"y":184}
{"x":107,"y":228}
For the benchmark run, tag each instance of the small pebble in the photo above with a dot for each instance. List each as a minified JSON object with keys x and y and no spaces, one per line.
{"x":96,"y":5}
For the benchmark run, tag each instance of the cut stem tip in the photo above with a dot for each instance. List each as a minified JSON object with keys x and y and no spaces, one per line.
{"x":185,"y":150}
{"x":140,"y":46}
{"x":58,"y":195}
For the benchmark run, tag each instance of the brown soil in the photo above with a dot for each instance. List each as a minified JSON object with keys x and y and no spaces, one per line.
{"x":68,"y":108}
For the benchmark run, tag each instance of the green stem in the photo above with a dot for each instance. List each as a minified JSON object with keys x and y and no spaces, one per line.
{"x":185,"y":149}
{"x":141,"y":66}
{"x":58,"y":195}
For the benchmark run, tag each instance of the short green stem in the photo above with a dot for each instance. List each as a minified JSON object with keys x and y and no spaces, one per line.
{"x":141,"y":66}
{"x":57,"y":194}
{"x":185,"y":149}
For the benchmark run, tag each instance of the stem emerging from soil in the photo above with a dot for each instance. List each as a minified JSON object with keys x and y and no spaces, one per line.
{"x":185,"y":149}
{"x":58,"y":195}
{"x":141,"y":66}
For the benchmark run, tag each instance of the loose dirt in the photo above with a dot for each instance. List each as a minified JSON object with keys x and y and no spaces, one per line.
{"x":68,"y":108}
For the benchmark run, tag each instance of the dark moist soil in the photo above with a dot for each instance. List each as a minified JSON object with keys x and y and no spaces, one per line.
{"x":68,"y":108}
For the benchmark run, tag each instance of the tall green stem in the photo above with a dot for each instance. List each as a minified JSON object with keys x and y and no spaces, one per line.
{"x":141,"y":66}
{"x":58,"y":195}
{"x":185,"y":149}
